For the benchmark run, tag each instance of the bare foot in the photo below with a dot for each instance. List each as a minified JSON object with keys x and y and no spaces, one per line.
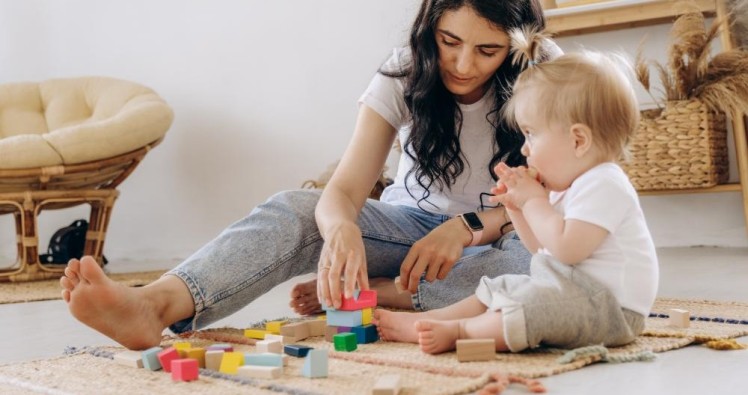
{"x":113,"y":309}
{"x":304,"y":298}
{"x":397,"y":326}
{"x":436,"y":337}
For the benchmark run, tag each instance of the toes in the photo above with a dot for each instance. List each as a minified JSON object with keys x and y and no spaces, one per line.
{"x":90,"y":270}
{"x":71,"y":276}
{"x":66,"y":295}
{"x":67,"y":283}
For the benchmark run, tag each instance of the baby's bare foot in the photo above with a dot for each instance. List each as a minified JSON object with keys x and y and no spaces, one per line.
{"x":397,"y":326}
{"x":113,"y":309}
{"x":436,"y":337}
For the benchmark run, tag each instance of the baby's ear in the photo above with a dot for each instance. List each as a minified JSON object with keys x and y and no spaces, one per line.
{"x":582,"y":136}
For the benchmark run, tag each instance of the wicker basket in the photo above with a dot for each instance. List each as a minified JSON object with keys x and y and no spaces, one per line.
{"x":679,"y":147}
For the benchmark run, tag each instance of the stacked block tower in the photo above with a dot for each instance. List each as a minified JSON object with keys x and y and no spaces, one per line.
{"x":350,"y":324}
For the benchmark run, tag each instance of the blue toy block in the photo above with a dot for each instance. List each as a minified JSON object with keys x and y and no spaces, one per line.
{"x":296,"y":350}
{"x":365,"y":334}
{"x":315,"y":364}
{"x":344,"y":318}
{"x":263,"y":359}
{"x":150,"y":358}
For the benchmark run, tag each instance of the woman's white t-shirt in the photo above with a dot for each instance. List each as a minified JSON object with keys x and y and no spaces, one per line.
{"x":385,"y":96}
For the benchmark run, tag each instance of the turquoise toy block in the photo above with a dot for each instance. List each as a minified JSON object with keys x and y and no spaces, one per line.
{"x":345,"y":318}
{"x":315,"y":364}
{"x":365,"y":334}
{"x":150,"y":358}
{"x":344,"y":341}
{"x":263,"y":359}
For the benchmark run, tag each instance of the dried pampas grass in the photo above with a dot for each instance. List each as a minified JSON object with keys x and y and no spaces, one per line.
{"x":721,"y":81}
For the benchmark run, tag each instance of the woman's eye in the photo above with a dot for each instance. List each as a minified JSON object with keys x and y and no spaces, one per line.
{"x":450,"y":43}
{"x":487,"y":54}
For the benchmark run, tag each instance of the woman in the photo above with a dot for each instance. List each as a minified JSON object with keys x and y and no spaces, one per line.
{"x":441,"y":97}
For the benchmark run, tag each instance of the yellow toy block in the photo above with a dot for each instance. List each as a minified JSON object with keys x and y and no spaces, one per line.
{"x":274,"y":327}
{"x":182,"y":348}
{"x":366,"y":316}
{"x":231,"y":361}
{"x":255,"y":333}
{"x":197,"y":353}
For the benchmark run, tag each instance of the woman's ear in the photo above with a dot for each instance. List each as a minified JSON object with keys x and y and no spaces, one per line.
{"x":582,"y":137}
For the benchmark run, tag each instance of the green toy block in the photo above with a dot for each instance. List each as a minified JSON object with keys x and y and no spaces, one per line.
{"x":345,"y":341}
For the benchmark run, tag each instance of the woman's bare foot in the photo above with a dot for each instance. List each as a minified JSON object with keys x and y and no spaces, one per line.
{"x":304,"y":298}
{"x":113,"y":309}
{"x":397,"y":326}
{"x":436,"y":336}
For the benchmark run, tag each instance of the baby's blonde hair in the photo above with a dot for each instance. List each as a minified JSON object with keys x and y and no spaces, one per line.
{"x":585,"y":87}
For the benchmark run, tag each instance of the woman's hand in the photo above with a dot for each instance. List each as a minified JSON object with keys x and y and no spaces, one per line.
{"x":342,"y":257}
{"x":435,"y":254}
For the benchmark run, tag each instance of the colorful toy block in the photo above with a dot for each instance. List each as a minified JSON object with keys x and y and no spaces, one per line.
{"x":182,"y":348}
{"x":260,"y":372}
{"x":150,"y":358}
{"x":281,"y":338}
{"x":255,"y":333}
{"x":365,"y":334}
{"x":363,"y":299}
{"x":387,"y":385}
{"x":297,"y":330}
{"x":274,"y":327}
{"x":184,"y":369}
{"x":296,"y":350}
{"x":317,"y":327}
{"x":274,"y":346}
{"x":366,"y":315}
{"x":679,"y":318}
{"x":476,"y":350}
{"x":213,"y":359}
{"x":263,"y":359}
{"x":166,"y":356}
{"x":315,"y":364}
{"x":197,"y":353}
{"x":221,"y":346}
{"x":231,"y":362}
{"x":348,"y":318}
{"x":345,"y":341}
{"x":129,"y":358}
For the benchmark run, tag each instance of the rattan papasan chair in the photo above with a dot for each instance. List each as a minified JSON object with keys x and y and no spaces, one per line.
{"x":66,"y":142}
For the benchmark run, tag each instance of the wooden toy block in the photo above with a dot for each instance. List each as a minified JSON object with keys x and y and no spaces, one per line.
{"x":197,"y":353}
{"x":221,"y":346}
{"x":476,"y":350}
{"x":182,"y":348}
{"x":315,"y":364}
{"x":150,"y":358}
{"x":679,"y":318}
{"x":213,"y":359}
{"x":399,"y":285}
{"x":274,"y":346}
{"x":366,"y":316}
{"x":330,"y":331}
{"x":184,"y":369}
{"x":322,"y":317}
{"x":365,"y":334}
{"x":255,"y":333}
{"x":166,"y":356}
{"x":260,"y":372}
{"x":363,"y":299}
{"x":129,"y":358}
{"x":345,"y":318}
{"x":296,"y":350}
{"x":388,"y":384}
{"x":317,"y":327}
{"x":263,"y":359}
{"x":345,"y":341}
{"x":297,"y":330}
{"x":274,"y":327}
{"x":231,"y":362}
{"x":281,"y":338}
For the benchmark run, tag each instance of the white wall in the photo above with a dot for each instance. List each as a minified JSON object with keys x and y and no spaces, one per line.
{"x":264,"y":94}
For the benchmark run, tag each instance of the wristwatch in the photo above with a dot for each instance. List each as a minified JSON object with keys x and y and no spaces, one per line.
{"x":474,"y":225}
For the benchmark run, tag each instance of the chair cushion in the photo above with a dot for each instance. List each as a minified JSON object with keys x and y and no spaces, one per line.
{"x":76,"y":120}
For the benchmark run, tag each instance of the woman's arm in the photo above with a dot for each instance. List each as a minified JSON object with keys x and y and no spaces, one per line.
{"x":341,"y":202}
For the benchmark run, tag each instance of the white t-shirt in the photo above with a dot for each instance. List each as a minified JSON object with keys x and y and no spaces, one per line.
{"x":626,"y":261}
{"x":385,"y":96}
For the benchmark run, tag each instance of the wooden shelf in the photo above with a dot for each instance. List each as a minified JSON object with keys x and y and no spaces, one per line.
{"x":623,"y":14}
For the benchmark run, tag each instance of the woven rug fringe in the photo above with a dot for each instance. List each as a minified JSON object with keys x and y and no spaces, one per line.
{"x":602,"y":353}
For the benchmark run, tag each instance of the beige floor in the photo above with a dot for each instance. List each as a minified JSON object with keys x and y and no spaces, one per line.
{"x":44,"y":329}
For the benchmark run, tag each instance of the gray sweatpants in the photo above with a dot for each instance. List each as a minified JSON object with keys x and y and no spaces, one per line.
{"x":557,"y":305}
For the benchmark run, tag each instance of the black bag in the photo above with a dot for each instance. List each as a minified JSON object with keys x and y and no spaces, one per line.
{"x":67,"y":243}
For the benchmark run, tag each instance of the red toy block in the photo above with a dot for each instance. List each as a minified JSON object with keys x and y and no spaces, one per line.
{"x":184,"y":369}
{"x":366,"y":298}
{"x":165,"y":357}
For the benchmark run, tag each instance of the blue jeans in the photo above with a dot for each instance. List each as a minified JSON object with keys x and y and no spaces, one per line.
{"x":279,"y":240}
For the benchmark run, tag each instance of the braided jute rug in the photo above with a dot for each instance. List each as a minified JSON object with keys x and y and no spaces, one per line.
{"x":91,"y":369}
{"x":34,"y":291}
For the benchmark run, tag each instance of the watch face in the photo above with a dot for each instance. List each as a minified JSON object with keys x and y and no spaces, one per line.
{"x":472,"y":220}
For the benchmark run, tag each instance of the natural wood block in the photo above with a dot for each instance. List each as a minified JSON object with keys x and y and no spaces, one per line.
{"x":679,"y":318}
{"x":388,"y":384}
{"x":297,"y":330}
{"x":317,"y":327}
{"x":213,"y":359}
{"x":273,"y":346}
{"x":260,"y":372}
{"x":129,"y":358}
{"x":476,"y":350}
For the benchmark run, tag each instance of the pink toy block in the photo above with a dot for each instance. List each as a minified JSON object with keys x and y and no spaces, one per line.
{"x":184,"y":369}
{"x":165,"y":357}
{"x":366,"y":298}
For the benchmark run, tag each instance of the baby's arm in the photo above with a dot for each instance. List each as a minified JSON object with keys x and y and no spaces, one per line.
{"x":519,"y":222}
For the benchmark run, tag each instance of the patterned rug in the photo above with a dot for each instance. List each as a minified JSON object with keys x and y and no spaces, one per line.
{"x":33,"y":291}
{"x":91,"y":370}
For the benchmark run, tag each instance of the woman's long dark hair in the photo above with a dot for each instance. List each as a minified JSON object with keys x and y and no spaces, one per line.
{"x":434,"y":143}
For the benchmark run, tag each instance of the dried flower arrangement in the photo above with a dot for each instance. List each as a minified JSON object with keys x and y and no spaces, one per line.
{"x":719,"y":81}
